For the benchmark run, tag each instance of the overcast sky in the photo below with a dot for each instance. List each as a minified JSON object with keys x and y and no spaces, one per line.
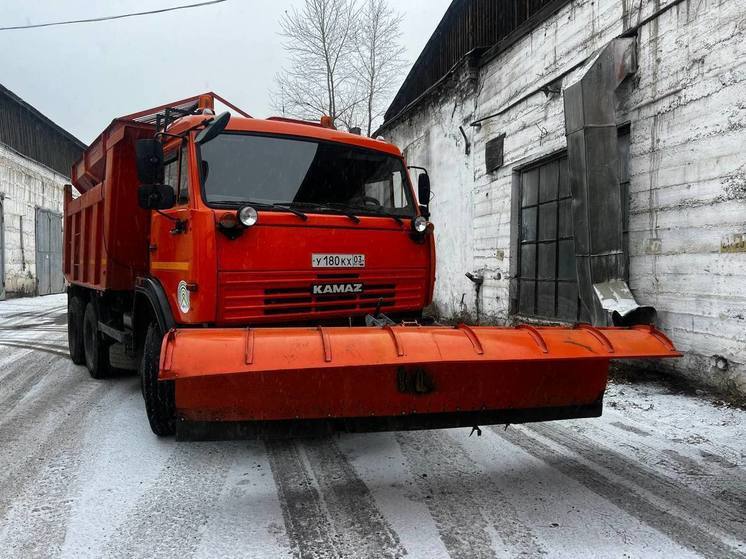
{"x":81,"y":76}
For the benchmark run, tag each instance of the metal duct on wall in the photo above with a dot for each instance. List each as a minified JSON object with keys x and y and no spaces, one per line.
{"x":591,"y":129}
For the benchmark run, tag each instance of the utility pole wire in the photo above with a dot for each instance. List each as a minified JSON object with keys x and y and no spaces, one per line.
{"x":107,"y":18}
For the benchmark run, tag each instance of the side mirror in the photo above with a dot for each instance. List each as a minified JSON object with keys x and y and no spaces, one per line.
{"x":215,"y":127}
{"x":149,"y":155}
{"x":156,"y":196}
{"x":423,"y":192}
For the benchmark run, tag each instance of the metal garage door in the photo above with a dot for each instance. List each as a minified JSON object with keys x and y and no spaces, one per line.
{"x":49,"y":277}
{"x":2,"y":252}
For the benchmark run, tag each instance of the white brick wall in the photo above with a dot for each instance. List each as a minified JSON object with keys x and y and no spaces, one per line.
{"x":24,"y":186}
{"x":687,"y":109}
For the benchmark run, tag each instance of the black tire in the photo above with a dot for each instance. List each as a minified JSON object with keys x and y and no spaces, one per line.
{"x":159,"y":395}
{"x":75,"y":311}
{"x":95,"y":346}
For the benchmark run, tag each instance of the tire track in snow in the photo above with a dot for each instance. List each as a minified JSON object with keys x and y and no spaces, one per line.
{"x":120,"y":459}
{"x":37,"y":369}
{"x":719,"y":515}
{"x":302,"y":508}
{"x":48,"y":396}
{"x":327,"y":509}
{"x":473,"y":517}
{"x":37,"y":481}
{"x":684,"y":533}
{"x":709,"y":469}
{"x":39,"y":424}
{"x":169,"y":519}
{"x":352,"y":506}
{"x":26,"y":346}
{"x":17,"y":384}
{"x":35,"y":345}
{"x":30,"y":320}
{"x":249,"y":522}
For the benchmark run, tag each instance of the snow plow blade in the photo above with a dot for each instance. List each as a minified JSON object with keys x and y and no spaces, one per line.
{"x":239,"y":383}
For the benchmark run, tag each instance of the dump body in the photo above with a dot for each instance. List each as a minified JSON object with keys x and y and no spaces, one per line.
{"x":105,"y":231}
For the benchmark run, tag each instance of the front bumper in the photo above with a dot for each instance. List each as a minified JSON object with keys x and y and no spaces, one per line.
{"x":390,"y":378}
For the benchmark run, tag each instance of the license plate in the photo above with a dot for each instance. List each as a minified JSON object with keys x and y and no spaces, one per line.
{"x":338,"y":260}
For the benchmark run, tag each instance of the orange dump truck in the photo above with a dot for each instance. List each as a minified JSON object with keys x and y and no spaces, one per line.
{"x":270,"y":276}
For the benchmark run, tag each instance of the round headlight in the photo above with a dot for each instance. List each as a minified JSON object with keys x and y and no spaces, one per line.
{"x":419,"y":224}
{"x":248,"y":216}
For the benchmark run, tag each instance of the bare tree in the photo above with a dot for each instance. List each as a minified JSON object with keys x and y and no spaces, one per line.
{"x":319,"y":40}
{"x":380,"y":57}
{"x":344,"y":60}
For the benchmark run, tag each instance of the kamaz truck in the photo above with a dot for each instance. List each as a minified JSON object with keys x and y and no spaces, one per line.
{"x":270,"y":275}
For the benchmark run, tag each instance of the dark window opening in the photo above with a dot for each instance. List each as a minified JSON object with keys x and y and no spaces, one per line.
{"x":493,"y":153}
{"x":547,"y":280}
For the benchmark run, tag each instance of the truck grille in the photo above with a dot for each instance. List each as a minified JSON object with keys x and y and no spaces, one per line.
{"x":263,"y":297}
{"x":299,"y":299}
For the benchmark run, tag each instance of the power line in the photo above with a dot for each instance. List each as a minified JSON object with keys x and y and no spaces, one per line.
{"x":106,"y":18}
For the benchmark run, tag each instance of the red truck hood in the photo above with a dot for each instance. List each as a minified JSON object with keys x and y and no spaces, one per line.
{"x":268,"y":274}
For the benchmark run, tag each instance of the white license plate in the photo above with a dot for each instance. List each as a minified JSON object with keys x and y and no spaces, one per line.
{"x":338,"y":260}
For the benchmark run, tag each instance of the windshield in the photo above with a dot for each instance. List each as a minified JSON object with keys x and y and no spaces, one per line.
{"x":244,"y":168}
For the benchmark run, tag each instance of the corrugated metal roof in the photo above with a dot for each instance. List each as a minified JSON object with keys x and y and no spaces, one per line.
{"x":468,"y":26}
{"x":27,"y":131}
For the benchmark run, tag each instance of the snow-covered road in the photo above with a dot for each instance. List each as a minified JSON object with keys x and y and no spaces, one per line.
{"x":81,"y":475}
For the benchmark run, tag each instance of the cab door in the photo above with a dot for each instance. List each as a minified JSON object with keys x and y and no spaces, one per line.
{"x":172,"y":259}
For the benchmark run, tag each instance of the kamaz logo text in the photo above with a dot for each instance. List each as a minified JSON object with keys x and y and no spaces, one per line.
{"x":337,"y":288}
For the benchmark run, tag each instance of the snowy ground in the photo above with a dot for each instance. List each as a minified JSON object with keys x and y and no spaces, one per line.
{"x":81,"y":475}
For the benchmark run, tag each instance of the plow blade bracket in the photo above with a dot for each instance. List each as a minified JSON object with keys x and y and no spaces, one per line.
{"x":397,"y":377}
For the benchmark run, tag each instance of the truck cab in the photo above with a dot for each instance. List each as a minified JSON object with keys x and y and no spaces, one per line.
{"x":281,"y":222}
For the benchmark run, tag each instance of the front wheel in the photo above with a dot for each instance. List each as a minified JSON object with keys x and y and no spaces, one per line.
{"x":159,"y":395}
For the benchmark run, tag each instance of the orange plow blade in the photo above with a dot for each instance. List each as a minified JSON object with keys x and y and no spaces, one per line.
{"x":394,"y":377}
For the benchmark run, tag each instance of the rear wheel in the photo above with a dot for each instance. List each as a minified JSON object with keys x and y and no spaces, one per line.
{"x":95,"y":346}
{"x":159,"y":395}
{"x":75,"y":311}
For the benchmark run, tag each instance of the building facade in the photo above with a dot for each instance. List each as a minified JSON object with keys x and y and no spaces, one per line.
{"x":650,"y":94}
{"x":36,"y":156}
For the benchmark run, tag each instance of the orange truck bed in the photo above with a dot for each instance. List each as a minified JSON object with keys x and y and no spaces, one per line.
{"x":106,"y":232}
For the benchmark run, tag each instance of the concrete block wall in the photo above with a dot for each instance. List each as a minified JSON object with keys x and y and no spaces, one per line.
{"x":24,"y":186}
{"x":687,"y":116}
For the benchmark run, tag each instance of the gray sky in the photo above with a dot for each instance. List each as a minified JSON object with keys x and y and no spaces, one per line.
{"x":81,"y":76}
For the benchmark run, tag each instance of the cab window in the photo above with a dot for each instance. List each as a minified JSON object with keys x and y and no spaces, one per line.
{"x":176,"y":175}
{"x":389,"y":191}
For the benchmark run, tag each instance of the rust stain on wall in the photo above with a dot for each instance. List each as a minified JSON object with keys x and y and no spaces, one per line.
{"x":733,"y":243}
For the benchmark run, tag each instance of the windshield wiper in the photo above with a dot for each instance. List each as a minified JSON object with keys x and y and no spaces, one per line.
{"x":262,"y":206}
{"x":379,"y":211}
{"x":289,"y":207}
{"x":329,"y":207}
